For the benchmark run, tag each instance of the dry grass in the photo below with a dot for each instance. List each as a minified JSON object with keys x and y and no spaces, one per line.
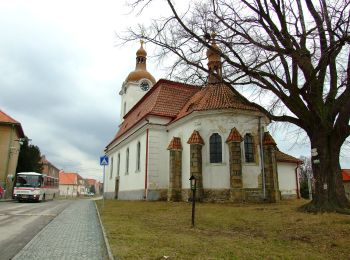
{"x":151,"y":230}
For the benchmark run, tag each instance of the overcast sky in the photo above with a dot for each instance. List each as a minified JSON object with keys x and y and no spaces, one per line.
{"x":60,"y":73}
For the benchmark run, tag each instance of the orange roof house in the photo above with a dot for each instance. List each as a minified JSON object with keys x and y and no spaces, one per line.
{"x":68,"y":178}
{"x":71,"y":184}
{"x":6,"y":119}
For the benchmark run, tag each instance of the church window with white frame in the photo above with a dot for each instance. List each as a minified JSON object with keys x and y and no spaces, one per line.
{"x":111,"y":169}
{"x":215,"y":148}
{"x":249,"y":148}
{"x":118,"y":165}
{"x":138,"y":158}
{"x":127,"y":162}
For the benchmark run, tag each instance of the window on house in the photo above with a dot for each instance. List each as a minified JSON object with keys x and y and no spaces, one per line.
{"x":124,"y":110}
{"x":215,"y":148}
{"x":127,"y":162}
{"x":138,"y":156}
{"x":111,"y":169}
{"x":118,"y":165}
{"x":249,"y":148}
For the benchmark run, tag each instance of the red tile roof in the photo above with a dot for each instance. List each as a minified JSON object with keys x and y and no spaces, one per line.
{"x":346,"y":174}
{"x":283,"y":157}
{"x":67,"y":178}
{"x":268,"y":140}
{"x":165,"y":98}
{"x":176,"y":100}
{"x":175,"y":144}
{"x":234,"y":136}
{"x":91,"y":182}
{"x":5,"y":118}
{"x":213,"y":97}
{"x":195,"y":138}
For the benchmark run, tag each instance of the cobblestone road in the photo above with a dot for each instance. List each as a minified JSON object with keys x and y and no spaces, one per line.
{"x":74,"y":234}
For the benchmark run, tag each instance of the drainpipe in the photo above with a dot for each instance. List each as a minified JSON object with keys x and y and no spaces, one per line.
{"x":146,"y":169}
{"x":262,"y":158}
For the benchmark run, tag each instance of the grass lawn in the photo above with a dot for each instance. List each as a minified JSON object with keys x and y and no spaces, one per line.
{"x":151,"y":230}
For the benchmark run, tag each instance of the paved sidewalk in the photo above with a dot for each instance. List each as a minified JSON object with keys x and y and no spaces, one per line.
{"x":74,"y":234}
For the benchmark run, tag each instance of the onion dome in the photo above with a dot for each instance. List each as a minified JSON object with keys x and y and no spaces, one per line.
{"x":140,"y":71}
{"x":141,"y":52}
{"x":214,"y":62}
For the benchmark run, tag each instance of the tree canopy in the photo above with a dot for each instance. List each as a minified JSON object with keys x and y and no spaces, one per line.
{"x":29,"y":158}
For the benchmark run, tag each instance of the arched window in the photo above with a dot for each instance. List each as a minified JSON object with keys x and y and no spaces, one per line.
{"x":215,"y":148}
{"x":127,"y":162}
{"x":138,"y":156}
{"x":118,"y":165}
{"x":111,"y":172}
{"x":249,"y":148}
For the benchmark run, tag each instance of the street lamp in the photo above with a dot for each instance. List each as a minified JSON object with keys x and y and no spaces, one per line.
{"x":193,"y":183}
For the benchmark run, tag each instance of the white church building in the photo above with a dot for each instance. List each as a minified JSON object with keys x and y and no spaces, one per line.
{"x":170,"y":131}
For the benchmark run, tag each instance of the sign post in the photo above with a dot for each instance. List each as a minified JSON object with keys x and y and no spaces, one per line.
{"x":104,"y":162}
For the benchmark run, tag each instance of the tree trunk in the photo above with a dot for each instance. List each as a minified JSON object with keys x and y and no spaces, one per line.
{"x":329,"y":193}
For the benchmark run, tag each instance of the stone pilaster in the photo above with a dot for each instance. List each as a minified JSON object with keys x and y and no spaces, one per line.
{"x":196,"y":142}
{"x":270,"y":169}
{"x":196,"y":168}
{"x":175,"y":170}
{"x":234,"y":146}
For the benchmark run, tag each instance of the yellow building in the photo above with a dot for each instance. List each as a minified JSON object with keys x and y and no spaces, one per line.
{"x":10,"y":133}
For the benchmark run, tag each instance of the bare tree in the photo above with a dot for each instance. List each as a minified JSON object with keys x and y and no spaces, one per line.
{"x":292,"y":54}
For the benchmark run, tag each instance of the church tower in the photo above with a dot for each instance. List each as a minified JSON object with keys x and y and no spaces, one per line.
{"x":137,"y":83}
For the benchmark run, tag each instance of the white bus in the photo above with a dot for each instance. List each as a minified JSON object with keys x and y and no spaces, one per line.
{"x":35,"y":186}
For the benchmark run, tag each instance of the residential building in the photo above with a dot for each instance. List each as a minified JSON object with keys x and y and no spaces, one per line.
{"x":95,"y":184}
{"x":171,"y":131}
{"x":48,"y":168}
{"x":71,"y":184}
{"x":11,"y":133}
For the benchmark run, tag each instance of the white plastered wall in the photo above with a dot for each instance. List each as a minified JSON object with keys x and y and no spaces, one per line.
{"x":286,"y":178}
{"x":158,"y":159}
{"x":133,"y":179}
{"x":133,"y":93}
{"x":216,"y":176}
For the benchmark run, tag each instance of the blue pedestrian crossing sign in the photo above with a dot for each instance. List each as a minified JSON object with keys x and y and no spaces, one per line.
{"x":104,"y":160}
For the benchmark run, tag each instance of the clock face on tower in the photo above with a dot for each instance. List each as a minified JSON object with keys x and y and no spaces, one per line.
{"x":144,"y":85}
